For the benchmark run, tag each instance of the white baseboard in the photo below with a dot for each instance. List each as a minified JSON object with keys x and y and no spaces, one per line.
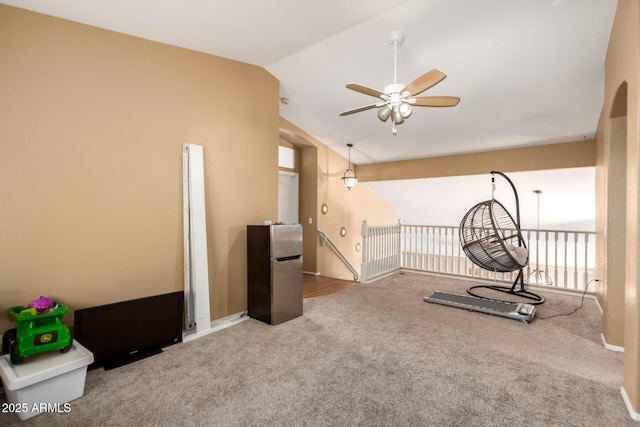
{"x":611,"y":346}
{"x":599,"y":306}
{"x":217,"y":325}
{"x":632,"y":413}
{"x":312,"y":273}
{"x":604,"y":342}
{"x":383,"y":275}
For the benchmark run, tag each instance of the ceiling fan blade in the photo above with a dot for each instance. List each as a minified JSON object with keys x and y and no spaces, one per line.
{"x":357,"y":110}
{"x":365,"y":90}
{"x":424,"y":82}
{"x":436,"y":101}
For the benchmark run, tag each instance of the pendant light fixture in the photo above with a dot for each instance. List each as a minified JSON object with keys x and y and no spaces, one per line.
{"x":349,"y":178}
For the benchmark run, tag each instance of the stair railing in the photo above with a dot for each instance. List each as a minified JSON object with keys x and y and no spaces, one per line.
{"x":325,"y":239}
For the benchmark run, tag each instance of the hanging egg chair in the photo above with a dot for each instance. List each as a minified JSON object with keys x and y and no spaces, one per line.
{"x":492,"y":240}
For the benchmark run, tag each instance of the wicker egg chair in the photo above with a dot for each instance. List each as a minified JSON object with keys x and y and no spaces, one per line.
{"x":492,"y":240}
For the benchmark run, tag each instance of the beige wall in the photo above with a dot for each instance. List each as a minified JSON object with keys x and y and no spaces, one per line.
{"x":92,"y":124}
{"x":611,"y":292}
{"x":309,"y":206}
{"x":550,"y":156}
{"x":346,"y":208}
{"x":617,"y":141}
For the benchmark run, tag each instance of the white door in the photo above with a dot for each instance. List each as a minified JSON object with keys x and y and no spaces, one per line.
{"x":288,"y":197}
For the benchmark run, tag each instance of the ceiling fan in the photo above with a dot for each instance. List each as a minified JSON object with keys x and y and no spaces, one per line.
{"x":398,"y":98}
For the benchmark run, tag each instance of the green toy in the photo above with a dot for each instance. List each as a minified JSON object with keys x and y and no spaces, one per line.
{"x":37,"y":330}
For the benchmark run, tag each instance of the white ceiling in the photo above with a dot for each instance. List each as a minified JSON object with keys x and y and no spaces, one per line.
{"x":528,"y":72}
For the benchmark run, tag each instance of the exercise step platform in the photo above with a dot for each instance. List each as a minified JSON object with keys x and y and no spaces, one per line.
{"x":512,"y":310}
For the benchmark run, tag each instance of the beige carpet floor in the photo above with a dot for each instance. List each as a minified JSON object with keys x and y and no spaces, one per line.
{"x":372,"y":355}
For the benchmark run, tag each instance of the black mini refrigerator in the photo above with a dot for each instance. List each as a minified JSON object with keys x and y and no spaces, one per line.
{"x":274,"y":272}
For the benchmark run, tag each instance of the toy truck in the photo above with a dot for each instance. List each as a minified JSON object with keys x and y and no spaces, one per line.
{"x":36,"y":332}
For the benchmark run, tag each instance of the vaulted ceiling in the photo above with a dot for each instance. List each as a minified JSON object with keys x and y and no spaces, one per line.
{"x":528,"y":72}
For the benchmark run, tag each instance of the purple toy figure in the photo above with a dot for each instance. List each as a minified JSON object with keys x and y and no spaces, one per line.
{"x":41,"y":304}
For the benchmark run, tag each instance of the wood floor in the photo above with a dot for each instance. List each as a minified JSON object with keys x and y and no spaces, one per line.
{"x":316,"y":286}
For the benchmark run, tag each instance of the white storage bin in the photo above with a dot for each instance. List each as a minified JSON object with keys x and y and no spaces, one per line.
{"x":45,"y":382}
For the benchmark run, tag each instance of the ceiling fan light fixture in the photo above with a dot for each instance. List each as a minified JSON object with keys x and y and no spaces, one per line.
{"x":397,"y":116}
{"x":398,"y":98}
{"x":405,"y":110}
{"x":384,"y":113}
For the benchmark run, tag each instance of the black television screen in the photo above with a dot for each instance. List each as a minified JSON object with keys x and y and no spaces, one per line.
{"x":126,"y":331}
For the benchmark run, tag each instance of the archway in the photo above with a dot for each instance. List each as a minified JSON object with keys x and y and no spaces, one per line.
{"x":308,"y":196}
{"x":615,"y":225}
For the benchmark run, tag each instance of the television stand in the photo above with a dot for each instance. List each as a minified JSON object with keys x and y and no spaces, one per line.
{"x":138,"y":355}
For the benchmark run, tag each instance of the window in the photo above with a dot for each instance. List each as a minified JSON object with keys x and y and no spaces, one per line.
{"x":286,"y":158}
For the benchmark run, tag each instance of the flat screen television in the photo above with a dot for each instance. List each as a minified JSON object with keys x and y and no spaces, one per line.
{"x":126,"y":331}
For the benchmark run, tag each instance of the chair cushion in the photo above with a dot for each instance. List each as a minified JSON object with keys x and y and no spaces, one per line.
{"x":518,"y":253}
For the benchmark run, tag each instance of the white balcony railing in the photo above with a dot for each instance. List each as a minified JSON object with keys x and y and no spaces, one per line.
{"x":559,"y":259}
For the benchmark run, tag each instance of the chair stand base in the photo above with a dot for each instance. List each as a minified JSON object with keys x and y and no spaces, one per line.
{"x":534,"y":299}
